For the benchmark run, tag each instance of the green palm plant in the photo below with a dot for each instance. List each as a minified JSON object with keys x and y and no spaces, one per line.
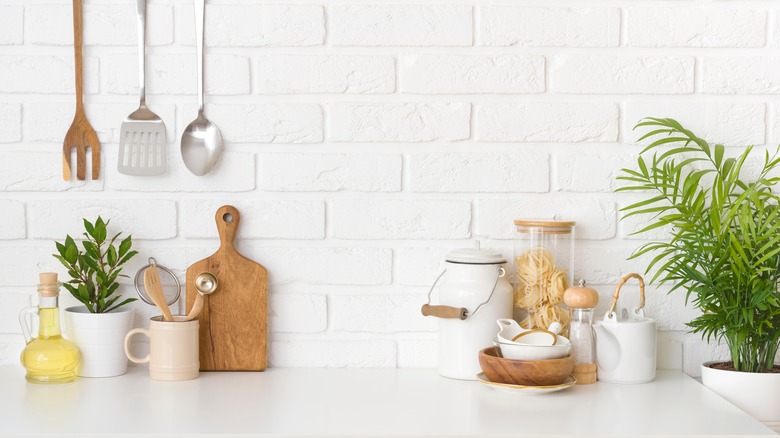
{"x":724,"y":247}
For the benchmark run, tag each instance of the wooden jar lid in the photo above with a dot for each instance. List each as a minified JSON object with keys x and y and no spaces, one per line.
{"x":581,"y":297}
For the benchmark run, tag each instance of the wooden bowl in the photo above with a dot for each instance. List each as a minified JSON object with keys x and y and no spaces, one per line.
{"x":525,"y":372}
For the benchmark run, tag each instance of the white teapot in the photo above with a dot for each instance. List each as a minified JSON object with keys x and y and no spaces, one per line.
{"x":626,"y":344}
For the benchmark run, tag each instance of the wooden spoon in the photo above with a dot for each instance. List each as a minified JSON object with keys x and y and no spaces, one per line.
{"x":80,"y":135}
{"x":154,"y":290}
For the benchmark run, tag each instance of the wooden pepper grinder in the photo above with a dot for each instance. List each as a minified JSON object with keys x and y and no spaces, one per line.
{"x":581,"y":301}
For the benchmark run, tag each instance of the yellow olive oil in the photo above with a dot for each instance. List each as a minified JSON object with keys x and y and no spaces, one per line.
{"x":49,"y":358}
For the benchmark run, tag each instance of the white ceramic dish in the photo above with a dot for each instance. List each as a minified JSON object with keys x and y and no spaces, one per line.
{"x":526,"y":390}
{"x":534,"y":352}
{"x":511,"y":332}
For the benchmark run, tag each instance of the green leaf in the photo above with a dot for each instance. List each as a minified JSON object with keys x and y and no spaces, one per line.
{"x":127,"y":257}
{"x":100,"y":231}
{"x":91,"y":249}
{"x":127,"y":301}
{"x":125,"y":246}
{"x":111,"y":255}
{"x":91,"y":264}
{"x":89,"y":227}
{"x":71,"y":254}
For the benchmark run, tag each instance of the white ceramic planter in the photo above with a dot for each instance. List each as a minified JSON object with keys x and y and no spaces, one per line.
{"x":758,"y":394}
{"x":100,"y":338}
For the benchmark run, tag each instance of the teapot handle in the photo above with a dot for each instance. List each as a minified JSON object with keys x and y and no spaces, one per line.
{"x":616,"y":295}
{"x":26,"y":329}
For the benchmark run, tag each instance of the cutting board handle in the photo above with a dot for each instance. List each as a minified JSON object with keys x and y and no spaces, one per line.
{"x":227,"y":219}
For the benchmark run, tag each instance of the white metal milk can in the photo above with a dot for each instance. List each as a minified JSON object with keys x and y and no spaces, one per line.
{"x":474,"y":293}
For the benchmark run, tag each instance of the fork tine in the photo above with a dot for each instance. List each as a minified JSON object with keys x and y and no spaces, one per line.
{"x":81,"y":163}
{"x":66,"y":153}
{"x":95,"y":149}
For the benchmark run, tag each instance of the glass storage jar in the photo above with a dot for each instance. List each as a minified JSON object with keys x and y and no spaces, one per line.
{"x":544,"y":263}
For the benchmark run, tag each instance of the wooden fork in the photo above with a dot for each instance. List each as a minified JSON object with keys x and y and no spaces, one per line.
{"x":80,"y":135}
{"x":154,"y":290}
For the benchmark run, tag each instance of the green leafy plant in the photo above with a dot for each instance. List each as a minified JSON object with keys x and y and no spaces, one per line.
{"x":95,"y":268}
{"x":724,"y":247}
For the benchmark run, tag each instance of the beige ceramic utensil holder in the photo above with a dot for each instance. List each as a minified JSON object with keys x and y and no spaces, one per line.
{"x":173,"y":348}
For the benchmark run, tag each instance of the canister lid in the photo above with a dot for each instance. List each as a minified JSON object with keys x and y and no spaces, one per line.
{"x":533,"y":226}
{"x":476,"y":256}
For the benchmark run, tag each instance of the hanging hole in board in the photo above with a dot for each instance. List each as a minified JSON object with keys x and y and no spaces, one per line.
{"x":227,"y":217}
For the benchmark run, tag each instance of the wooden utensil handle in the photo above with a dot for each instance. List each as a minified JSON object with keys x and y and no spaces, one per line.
{"x":78,"y":26}
{"x":444,"y":311}
{"x":227,"y":219}
{"x":197,"y":306}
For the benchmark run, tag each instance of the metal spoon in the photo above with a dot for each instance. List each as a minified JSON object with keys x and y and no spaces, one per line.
{"x":205,"y":283}
{"x":201,"y":142}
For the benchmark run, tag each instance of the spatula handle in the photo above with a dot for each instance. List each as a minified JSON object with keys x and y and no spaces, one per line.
{"x":78,"y":40}
{"x":227,"y":218}
{"x":140,"y":7}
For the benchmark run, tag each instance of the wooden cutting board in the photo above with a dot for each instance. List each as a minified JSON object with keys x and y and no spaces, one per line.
{"x":233,"y":322}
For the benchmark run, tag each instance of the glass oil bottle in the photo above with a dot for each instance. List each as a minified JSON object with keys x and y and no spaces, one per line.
{"x":48,"y":358}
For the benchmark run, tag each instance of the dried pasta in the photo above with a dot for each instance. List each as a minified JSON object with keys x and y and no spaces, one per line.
{"x":540,"y":289}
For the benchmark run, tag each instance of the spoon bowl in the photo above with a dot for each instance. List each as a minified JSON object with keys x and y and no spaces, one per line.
{"x":201,"y":142}
{"x":201,"y":145}
{"x":206,"y":283}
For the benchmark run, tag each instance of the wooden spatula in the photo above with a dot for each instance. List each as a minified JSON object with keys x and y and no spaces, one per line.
{"x":80,"y":136}
{"x":234,"y":320}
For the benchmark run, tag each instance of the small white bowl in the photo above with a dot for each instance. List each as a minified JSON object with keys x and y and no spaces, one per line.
{"x":534,"y":352}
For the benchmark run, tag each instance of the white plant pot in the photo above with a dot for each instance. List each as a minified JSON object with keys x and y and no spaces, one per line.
{"x":758,"y":394}
{"x":100,"y":338}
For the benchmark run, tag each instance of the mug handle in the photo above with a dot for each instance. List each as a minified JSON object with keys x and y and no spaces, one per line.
{"x":129,"y":335}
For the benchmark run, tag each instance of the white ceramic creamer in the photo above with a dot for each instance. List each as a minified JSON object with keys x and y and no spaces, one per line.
{"x":473,"y":294}
{"x":626,"y":344}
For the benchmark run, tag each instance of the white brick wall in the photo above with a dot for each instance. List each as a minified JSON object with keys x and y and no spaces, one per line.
{"x":547,"y":122}
{"x":11,"y":24}
{"x":469,"y":74}
{"x":401,"y":25}
{"x":549,"y":26}
{"x":695,"y":27}
{"x":289,"y":74}
{"x":367,"y":139}
{"x":620,"y":74}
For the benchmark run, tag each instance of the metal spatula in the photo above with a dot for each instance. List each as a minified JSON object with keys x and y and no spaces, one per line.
{"x":142,"y":150}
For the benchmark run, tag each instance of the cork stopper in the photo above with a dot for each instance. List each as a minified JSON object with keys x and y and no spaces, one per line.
{"x":581,"y":297}
{"x":48,"y":286}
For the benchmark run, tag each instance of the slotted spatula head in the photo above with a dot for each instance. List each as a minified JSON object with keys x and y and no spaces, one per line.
{"x":142,"y":150}
{"x":80,"y":136}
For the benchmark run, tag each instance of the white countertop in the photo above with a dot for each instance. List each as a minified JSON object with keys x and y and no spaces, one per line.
{"x":360,"y":402}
